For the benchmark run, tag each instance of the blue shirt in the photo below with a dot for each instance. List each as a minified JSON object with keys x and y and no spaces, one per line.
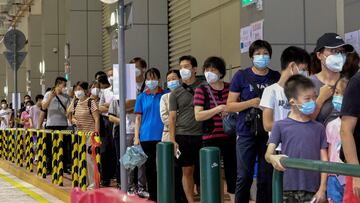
{"x":240,"y":84}
{"x":148,"y":105}
{"x":302,"y":140}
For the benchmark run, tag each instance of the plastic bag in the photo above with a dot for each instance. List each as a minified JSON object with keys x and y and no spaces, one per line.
{"x":134,"y":156}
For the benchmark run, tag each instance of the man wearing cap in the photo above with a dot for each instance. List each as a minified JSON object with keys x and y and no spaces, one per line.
{"x":328,"y":60}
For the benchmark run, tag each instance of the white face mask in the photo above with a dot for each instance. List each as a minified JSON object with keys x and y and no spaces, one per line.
{"x":28,"y":108}
{"x":137,"y":72}
{"x":95,"y":91}
{"x":211,"y":77}
{"x":335,"y":62}
{"x":79,"y":94}
{"x":64,"y":90}
{"x":4,"y":106}
{"x":185,"y":73}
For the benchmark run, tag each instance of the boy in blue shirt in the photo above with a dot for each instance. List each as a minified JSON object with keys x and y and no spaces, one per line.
{"x":301,"y":138}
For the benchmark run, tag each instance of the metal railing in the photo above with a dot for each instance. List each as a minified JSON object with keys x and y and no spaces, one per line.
{"x":311,"y":165}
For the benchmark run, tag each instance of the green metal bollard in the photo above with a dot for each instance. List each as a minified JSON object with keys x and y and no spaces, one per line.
{"x":165,"y":171}
{"x":277,"y":186}
{"x":210,"y":186}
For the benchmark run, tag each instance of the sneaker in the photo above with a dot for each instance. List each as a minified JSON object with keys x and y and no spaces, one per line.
{"x":141,"y":192}
{"x":131,"y":191}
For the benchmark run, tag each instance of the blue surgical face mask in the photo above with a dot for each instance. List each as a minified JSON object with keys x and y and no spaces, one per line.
{"x":337,"y":102}
{"x":261,"y":61}
{"x":152,"y":84}
{"x":307,"y":108}
{"x":173,"y":84}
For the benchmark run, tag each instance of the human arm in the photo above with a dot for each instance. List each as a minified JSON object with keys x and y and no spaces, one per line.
{"x":202,"y":115}
{"x":233,"y":105}
{"x":96,"y":116}
{"x":49,"y":96}
{"x":268,"y":119}
{"x":114,"y":119}
{"x":41,"y":119}
{"x":137,"y":129}
{"x":325,"y":93}
{"x":274,"y":160}
{"x":164,"y":109}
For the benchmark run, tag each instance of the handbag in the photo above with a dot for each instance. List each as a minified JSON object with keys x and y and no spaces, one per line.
{"x":229,"y":121}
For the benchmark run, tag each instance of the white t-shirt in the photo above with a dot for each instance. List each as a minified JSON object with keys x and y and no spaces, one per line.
{"x":274,"y":98}
{"x":107,"y":96}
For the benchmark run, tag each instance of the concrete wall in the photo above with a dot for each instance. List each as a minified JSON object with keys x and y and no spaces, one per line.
{"x":351,"y":15}
{"x":215,"y":27}
{"x":148,"y":38}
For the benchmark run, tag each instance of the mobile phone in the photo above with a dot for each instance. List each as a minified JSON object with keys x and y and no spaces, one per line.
{"x":313,"y":200}
{"x":178,"y":153}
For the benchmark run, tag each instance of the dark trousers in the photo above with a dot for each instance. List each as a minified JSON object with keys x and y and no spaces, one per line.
{"x":66,"y":148}
{"x":247,"y":149}
{"x":149,"y":148}
{"x":108,"y":154}
{"x":227,"y":146}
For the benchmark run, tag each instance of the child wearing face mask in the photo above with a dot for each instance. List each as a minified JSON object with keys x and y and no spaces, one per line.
{"x":275,"y":106}
{"x":303,"y":138}
{"x":25,"y":115}
{"x":335,"y":184}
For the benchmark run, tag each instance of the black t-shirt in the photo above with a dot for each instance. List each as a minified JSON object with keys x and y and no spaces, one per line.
{"x":351,"y":106}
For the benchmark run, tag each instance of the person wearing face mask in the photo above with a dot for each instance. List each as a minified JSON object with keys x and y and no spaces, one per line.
{"x":275,"y":106}
{"x":301,"y":138}
{"x":56,"y":101}
{"x":25,"y":115}
{"x":84,"y":114}
{"x":141,"y":66}
{"x":185,"y":131}
{"x":327,"y":62}
{"x":244,"y":97}
{"x":335,"y":183}
{"x":95,"y":92}
{"x":210,"y":107}
{"x":147,"y":110}
{"x":5,"y":115}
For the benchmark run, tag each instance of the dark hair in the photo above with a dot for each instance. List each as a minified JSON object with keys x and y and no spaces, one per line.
{"x":4,"y":100}
{"x":59,"y":80}
{"x":296,"y":83}
{"x":351,"y":66}
{"x":258,"y":44}
{"x":217,"y":63}
{"x":294,"y":54}
{"x":190,"y":58}
{"x":99,"y":73}
{"x":28,"y":96}
{"x":152,"y":72}
{"x":140,"y":61}
{"x":103,"y":79}
{"x":48,"y":89}
{"x":83,"y":85}
{"x":177,"y":72}
{"x":39,"y":97}
{"x":315,"y":66}
{"x":30,"y":102}
{"x":94,"y":83}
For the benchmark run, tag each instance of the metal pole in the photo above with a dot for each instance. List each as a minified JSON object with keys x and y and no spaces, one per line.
{"x":165,"y":172}
{"x":277,"y":187}
{"x":210,"y":175}
{"x":122,"y":93}
{"x":15,"y":81}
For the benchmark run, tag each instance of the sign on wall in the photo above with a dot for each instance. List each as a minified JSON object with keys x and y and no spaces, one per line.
{"x":249,"y":34}
{"x":353,"y":38}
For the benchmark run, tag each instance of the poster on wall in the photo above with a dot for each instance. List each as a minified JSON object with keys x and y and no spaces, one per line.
{"x":249,"y":34}
{"x":353,"y":38}
{"x":130,"y":81}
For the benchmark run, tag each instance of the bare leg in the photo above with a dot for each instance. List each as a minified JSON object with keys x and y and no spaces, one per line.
{"x":188,"y":183}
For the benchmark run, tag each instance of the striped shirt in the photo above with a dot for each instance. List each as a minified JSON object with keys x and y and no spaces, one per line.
{"x":221,"y":98}
{"x":82,"y":114}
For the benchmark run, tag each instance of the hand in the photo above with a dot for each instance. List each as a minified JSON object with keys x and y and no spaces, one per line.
{"x":275,"y":161}
{"x":136,"y":141}
{"x":326,"y":92}
{"x":255,"y":102}
{"x":221,"y":108}
{"x":74,"y":121}
{"x":356,"y":187}
{"x":320,"y":196}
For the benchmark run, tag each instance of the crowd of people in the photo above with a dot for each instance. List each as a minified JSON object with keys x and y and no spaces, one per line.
{"x":309,"y":110}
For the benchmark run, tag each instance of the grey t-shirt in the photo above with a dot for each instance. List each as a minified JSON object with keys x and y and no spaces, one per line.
{"x":327,"y":108}
{"x":181,"y":100}
{"x":56,"y":115}
{"x":302,"y":140}
{"x":114,"y":109}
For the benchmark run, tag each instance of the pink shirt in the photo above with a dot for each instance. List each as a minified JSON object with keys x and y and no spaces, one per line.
{"x":25,"y":119}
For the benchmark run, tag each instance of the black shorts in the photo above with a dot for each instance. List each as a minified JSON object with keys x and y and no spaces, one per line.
{"x":189,"y":146}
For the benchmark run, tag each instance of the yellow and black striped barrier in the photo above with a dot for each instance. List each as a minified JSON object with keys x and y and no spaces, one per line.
{"x":19,"y":146}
